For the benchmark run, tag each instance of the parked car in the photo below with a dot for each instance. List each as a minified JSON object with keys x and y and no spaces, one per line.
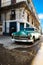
{"x":26,"y":35}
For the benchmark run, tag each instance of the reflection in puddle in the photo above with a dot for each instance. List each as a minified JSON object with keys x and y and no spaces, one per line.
{"x":38,"y":60}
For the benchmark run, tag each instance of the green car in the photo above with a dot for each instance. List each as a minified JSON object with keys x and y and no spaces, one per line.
{"x":26,"y":35}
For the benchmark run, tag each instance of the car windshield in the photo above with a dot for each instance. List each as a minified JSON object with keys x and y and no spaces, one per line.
{"x":28,"y":29}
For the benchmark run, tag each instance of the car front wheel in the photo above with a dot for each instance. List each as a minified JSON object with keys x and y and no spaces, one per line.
{"x":33,"y":39}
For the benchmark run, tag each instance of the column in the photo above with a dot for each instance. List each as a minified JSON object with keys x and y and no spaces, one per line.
{"x":18,"y":26}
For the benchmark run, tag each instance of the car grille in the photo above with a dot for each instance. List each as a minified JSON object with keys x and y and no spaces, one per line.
{"x":20,"y":37}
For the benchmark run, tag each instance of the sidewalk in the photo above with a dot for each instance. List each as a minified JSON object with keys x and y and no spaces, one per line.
{"x":38,"y":60}
{"x":5,"y":40}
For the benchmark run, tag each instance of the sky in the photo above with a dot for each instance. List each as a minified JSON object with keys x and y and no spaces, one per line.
{"x":38,"y":4}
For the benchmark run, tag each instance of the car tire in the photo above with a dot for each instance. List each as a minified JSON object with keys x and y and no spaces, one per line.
{"x":39,"y":38}
{"x":33,"y":39}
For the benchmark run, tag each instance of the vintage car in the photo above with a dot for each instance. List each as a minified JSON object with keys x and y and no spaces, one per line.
{"x":26,"y":35}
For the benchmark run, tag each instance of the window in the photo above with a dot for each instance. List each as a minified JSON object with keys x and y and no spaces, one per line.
{"x":20,"y":12}
{"x":13,"y":15}
{"x":28,"y":1}
{"x":28,"y":17}
{"x":29,"y":29}
{"x":32,"y":22}
{"x":27,"y":25}
{"x":13,"y":1}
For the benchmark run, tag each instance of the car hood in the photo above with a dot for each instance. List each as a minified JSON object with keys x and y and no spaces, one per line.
{"x":22,"y":33}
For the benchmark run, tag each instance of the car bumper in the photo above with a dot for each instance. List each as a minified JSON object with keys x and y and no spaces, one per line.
{"x":22,"y":40}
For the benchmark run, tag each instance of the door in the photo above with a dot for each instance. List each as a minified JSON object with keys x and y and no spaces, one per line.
{"x":13,"y":27}
{"x":21,"y":26}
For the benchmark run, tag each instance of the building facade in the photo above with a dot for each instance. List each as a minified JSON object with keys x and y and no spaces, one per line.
{"x":17,"y":15}
{"x":0,"y":19}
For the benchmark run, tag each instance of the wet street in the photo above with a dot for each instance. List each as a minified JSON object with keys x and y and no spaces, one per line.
{"x":25,"y":49}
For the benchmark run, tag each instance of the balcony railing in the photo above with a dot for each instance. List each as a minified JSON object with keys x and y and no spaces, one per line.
{"x":29,"y":6}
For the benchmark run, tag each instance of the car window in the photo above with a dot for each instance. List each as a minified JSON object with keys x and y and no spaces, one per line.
{"x":29,"y":29}
{"x":36,"y":30}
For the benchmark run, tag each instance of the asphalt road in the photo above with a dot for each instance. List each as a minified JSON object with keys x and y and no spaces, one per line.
{"x":23,"y":51}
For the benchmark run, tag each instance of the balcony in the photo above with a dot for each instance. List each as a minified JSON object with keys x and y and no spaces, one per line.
{"x":7,"y":3}
{"x":29,"y":5}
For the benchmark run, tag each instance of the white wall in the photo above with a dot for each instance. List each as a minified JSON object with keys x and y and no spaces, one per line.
{"x":20,"y":0}
{"x":2,"y":17}
{"x":3,"y":27}
{"x":7,"y":27}
{"x":5,"y":2}
{"x":24,"y":25}
{"x":25,"y":15}
{"x":17,"y":13}
{"x":8,"y":13}
{"x":18,"y":26}
{"x":21,"y":13}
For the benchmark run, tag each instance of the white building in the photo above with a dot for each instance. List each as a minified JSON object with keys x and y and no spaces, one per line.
{"x":17,"y":14}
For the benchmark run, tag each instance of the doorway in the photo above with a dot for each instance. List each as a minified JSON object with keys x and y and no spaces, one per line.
{"x":13,"y":27}
{"x":21,"y":26}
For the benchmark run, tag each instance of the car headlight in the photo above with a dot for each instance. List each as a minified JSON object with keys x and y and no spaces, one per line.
{"x":29,"y":36}
{"x":12,"y":34}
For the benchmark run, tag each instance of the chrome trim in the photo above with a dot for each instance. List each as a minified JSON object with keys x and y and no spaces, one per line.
{"x":23,"y":40}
